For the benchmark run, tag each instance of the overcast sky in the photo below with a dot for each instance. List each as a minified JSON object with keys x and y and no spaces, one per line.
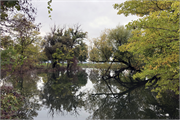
{"x":93,"y":15}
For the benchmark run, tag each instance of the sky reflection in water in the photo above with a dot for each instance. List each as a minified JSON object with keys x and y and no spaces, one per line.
{"x":69,"y":96}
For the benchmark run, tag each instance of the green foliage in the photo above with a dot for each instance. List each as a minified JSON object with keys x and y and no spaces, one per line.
{"x":33,"y":55}
{"x":42,"y":57}
{"x":6,"y":6}
{"x":11,"y":102}
{"x":7,"y":56}
{"x":67,"y":55}
{"x":105,"y":48}
{"x":11,"y":58}
{"x":118,"y":36}
{"x":19,"y":46}
{"x":94,"y":55}
{"x":81,"y":52}
{"x":63,"y":44}
{"x":49,"y":8}
{"x":156,"y":41}
{"x":142,"y":7}
{"x":6,"y":41}
{"x":12,"y":7}
{"x":102,"y":49}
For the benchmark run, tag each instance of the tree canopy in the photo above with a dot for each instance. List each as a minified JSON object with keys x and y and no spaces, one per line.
{"x":147,"y":49}
{"x":155,"y":41}
{"x":105,"y":47}
{"x":10,"y":8}
{"x":65,"y":45}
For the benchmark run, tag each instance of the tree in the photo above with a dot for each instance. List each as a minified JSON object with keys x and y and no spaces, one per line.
{"x":104,"y":47}
{"x":63,"y":55}
{"x":155,"y":40}
{"x":108,"y":43}
{"x":26,"y":32}
{"x":6,"y":41}
{"x":142,"y":7}
{"x":66,"y":40}
{"x":16,"y":17}
{"x":33,"y":55}
{"x":81,"y":52}
{"x":126,"y":63}
{"x":94,"y":55}
{"x":42,"y":57}
{"x":8,"y":54}
{"x":118,"y":36}
{"x":24,"y":35}
{"x":11,"y":8}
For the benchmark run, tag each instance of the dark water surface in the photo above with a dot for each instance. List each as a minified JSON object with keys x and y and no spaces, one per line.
{"x":81,"y":95}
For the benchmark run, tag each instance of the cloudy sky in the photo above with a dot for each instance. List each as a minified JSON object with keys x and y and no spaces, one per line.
{"x":93,"y":15}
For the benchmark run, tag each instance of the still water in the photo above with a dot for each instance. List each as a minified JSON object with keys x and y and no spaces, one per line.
{"x":81,"y":95}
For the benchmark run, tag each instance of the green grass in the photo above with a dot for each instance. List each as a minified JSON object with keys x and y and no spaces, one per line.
{"x":84,"y":65}
{"x":87,"y":65}
{"x":99,"y":65}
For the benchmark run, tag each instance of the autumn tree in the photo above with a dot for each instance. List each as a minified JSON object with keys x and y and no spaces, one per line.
{"x":155,"y":41}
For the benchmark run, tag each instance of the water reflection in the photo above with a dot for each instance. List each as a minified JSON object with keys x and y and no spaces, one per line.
{"x":60,"y":93}
{"x":26,"y":84}
{"x":140,"y":103}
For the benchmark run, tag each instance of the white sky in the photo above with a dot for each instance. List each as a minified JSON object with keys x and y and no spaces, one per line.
{"x":93,"y":15}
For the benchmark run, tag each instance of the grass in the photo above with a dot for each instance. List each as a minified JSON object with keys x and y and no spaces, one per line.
{"x":87,"y":65}
{"x":83,"y":65}
{"x":99,"y":65}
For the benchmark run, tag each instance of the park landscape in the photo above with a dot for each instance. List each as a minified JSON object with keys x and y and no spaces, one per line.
{"x":128,"y":72}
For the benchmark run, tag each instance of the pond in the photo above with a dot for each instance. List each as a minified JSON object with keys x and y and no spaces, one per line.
{"x":82,"y":94}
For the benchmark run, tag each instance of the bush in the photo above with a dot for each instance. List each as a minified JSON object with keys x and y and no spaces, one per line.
{"x":11,"y":102}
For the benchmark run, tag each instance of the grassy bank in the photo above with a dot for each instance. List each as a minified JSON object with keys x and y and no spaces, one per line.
{"x":83,"y":65}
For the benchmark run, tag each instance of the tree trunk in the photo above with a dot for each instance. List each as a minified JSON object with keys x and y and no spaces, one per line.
{"x":54,"y":64}
{"x":68,"y":64}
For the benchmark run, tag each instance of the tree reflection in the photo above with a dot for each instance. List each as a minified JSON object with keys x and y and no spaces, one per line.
{"x":106,"y":100}
{"x":139,"y":103}
{"x":26,"y":84}
{"x":60,"y":91}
